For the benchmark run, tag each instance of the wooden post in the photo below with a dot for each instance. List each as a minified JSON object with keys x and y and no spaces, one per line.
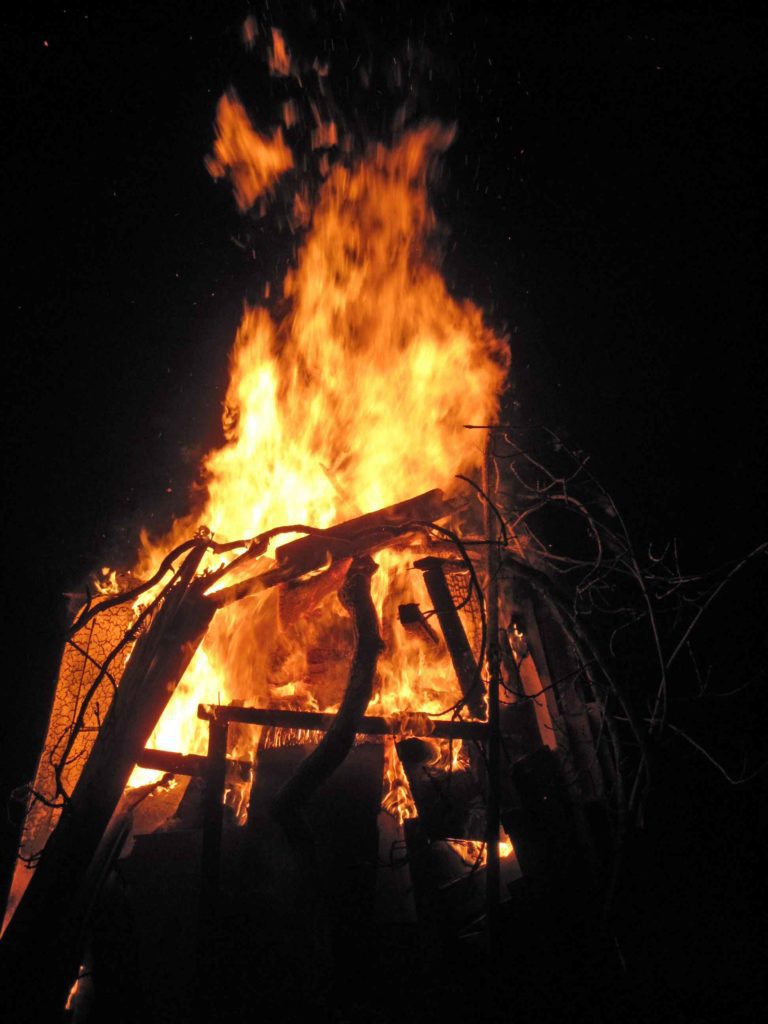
{"x":213,"y":810}
{"x":40,"y":932}
{"x":462,"y":657}
{"x":493,"y":869}
{"x":210,"y":861}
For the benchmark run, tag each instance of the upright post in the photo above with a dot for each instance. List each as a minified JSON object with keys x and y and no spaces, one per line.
{"x":210,"y":860}
{"x":494,"y":675}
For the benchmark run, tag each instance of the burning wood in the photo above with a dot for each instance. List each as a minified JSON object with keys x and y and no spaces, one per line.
{"x":369,"y":725}
{"x":351,"y":539}
{"x":413,"y":619}
{"x":355,"y":400}
{"x":337,"y":742}
{"x":462,"y":657}
{"x":365,"y":534}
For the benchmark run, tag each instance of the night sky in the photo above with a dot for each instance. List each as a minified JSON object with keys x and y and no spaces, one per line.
{"x":604,"y":202}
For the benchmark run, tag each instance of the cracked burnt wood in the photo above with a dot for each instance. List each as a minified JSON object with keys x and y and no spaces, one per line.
{"x":44,"y":934}
{"x":173,"y":763}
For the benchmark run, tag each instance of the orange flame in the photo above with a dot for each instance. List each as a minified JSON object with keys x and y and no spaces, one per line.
{"x":279,"y":57}
{"x":252,"y":161}
{"x":355,"y":399}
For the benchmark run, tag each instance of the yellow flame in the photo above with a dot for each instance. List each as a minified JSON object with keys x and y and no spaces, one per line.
{"x":252,"y":161}
{"x":354,"y":399}
{"x":279,"y":55}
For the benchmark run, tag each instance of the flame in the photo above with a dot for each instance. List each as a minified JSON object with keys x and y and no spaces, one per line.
{"x":249,"y":32}
{"x":357,"y":398}
{"x":474,"y":853}
{"x":353,"y":398}
{"x":252,"y":161}
{"x":279,"y":56}
{"x":398,"y":799}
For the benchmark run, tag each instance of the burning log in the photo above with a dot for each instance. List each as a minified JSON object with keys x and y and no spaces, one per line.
{"x":352,"y":539}
{"x":369,"y":725}
{"x":413,"y":621}
{"x":43,"y":928}
{"x":322,"y":762}
{"x":456,"y":639}
{"x":300,"y":597}
{"x":362,"y":535}
{"x":173,"y":763}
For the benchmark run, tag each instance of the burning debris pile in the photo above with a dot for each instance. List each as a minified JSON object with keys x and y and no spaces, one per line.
{"x":365,"y":696}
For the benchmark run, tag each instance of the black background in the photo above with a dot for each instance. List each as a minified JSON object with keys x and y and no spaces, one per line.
{"x":604,"y":202}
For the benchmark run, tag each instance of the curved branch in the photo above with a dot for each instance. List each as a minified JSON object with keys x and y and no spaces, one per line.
{"x":355,"y":595}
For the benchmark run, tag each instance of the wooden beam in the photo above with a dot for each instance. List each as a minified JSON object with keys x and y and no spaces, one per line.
{"x":366,"y":533}
{"x":353,"y":539}
{"x":369,"y":725}
{"x":462,"y":657}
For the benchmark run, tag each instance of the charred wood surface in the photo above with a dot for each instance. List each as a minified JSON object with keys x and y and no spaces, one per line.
{"x":413,"y":621}
{"x":462,"y":657}
{"x":369,"y":725}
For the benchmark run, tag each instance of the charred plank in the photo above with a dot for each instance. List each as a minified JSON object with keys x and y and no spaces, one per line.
{"x":463,"y":659}
{"x":369,"y":725}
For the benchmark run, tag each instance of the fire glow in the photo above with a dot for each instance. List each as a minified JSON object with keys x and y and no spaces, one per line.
{"x":356,"y":398}
{"x":350,"y":399}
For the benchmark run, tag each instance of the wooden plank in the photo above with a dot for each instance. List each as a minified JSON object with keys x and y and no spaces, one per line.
{"x":369,"y":725}
{"x":564,"y":667}
{"x":365,"y":533}
{"x":463,"y":659}
{"x":173,"y":763}
{"x":353,"y":539}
